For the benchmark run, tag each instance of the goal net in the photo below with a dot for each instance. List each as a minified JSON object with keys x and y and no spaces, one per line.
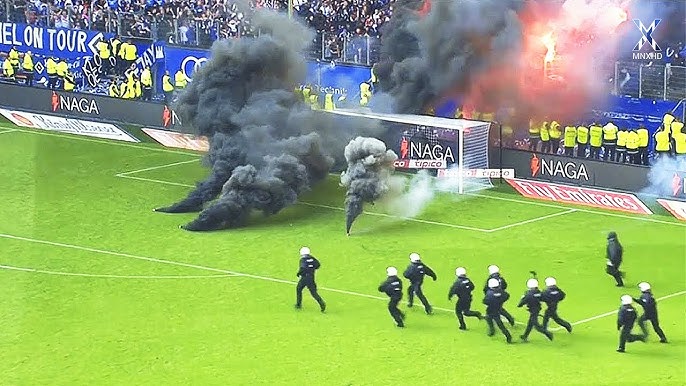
{"x":453,"y":150}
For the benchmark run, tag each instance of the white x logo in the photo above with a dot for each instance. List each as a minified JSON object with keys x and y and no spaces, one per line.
{"x":647,"y":35}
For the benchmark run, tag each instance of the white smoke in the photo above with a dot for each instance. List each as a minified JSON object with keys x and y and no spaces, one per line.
{"x":663,"y":175}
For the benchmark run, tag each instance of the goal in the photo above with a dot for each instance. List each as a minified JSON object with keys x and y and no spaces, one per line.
{"x":455,"y":150}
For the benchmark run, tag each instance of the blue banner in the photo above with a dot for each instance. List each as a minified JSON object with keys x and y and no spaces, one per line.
{"x":62,"y":42}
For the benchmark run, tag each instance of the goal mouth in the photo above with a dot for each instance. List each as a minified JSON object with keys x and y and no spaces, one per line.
{"x":456,"y":151}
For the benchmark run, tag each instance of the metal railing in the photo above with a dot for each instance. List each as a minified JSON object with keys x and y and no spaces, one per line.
{"x":649,"y":80}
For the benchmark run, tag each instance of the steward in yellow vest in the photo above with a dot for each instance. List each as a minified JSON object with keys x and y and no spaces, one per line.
{"x":51,"y":69}
{"x":609,"y":140}
{"x":314,"y":101}
{"x":570,"y":140}
{"x":105,"y":53}
{"x":69,"y":82}
{"x":62,"y":68}
{"x":534,"y":135}
{"x":8,"y":70}
{"x":545,"y":137}
{"x":13,"y":56}
{"x":27,"y":67}
{"x":167,"y":87}
{"x":596,"y":140}
{"x":632,"y":141}
{"x":662,"y":143}
{"x":680,"y":145}
{"x":180,"y":80}
{"x":555,"y":135}
{"x":582,"y":141}
{"x":146,"y":83}
{"x":621,"y":145}
{"x":643,"y":139}
{"x":328,"y":102}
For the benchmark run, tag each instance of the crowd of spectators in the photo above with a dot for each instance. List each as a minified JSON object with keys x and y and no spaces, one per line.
{"x":344,"y":28}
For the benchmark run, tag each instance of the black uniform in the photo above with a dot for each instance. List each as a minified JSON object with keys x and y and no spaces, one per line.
{"x":552,"y":296}
{"x":614,"y":258}
{"x":415,"y":273}
{"x":647,"y":301}
{"x":463,"y":288}
{"x":626,"y":317}
{"x":308,"y":265}
{"x":393,"y":287}
{"x":503,"y":286}
{"x":494,"y":299}
{"x":532,"y":300}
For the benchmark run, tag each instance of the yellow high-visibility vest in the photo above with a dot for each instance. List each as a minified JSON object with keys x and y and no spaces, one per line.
{"x":166,"y":84}
{"x":27,"y":64}
{"x":103,"y":49}
{"x":582,"y":135}
{"x":662,"y":141}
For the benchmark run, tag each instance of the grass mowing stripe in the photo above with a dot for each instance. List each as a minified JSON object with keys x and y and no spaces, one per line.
{"x":164,"y":150}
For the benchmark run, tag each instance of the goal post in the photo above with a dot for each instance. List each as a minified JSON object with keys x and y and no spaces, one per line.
{"x":456,"y":151}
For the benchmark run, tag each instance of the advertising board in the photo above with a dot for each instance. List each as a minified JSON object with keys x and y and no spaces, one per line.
{"x":622,"y":202}
{"x":67,"y":125}
{"x":676,"y":208}
{"x":575,"y":171}
{"x":178,"y":140}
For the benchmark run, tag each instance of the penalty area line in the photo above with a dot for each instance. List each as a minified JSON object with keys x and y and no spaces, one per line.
{"x":532,"y":220}
{"x":108,"y":276}
{"x":124,"y":174}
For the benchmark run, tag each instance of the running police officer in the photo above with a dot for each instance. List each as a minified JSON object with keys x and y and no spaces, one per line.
{"x":308,"y":265}
{"x":463,"y":288}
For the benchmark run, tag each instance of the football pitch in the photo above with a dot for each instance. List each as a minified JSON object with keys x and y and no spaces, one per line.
{"x":98,"y":289}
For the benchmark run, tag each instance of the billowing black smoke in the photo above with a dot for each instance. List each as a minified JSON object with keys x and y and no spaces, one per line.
{"x":368,"y":177}
{"x":266,"y":145}
{"x":425,"y":56}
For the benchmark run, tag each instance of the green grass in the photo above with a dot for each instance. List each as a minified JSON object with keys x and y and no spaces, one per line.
{"x":242,"y":330}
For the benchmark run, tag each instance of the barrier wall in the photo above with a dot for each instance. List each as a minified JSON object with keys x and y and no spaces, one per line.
{"x":94,"y":107}
{"x":589,"y":173}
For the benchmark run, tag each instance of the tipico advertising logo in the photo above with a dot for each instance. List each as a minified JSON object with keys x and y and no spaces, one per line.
{"x":652,"y":50}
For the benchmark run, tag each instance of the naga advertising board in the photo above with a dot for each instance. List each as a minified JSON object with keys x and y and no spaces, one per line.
{"x":67,"y":125}
{"x":422,"y":147}
{"x":575,"y":171}
{"x":89,"y":106}
{"x":622,"y":202}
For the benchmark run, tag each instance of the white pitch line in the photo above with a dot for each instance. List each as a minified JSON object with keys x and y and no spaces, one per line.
{"x":582,"y":321}
{"x":578,"y":209}
{"x":8,"y":131}
{"x":155,"y":181}
{"x":399,"y":217}
{"x":531,"y":220}
{"x":106,"y":276}
{"x":156,"y":167}
{"x":196,"y":266}
{"x":322,"y":206}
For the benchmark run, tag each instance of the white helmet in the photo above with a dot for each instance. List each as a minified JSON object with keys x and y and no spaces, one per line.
{"x":643,"y":286}
{"x":493,"y":282}
{"x":414,"y":257}
{"x":550,"y":281}
{"x":493,"y":269}
{"x":626,"y":299}
{"x":460,"y":271}
{"x":391,"y":271}
{"x":304,"y":251}
{"x":532,"y":283}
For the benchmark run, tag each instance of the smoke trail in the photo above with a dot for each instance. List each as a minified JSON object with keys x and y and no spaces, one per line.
{"x":368,"y":177}
{"x":666,"y":177}
{"x":267,"y":145}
